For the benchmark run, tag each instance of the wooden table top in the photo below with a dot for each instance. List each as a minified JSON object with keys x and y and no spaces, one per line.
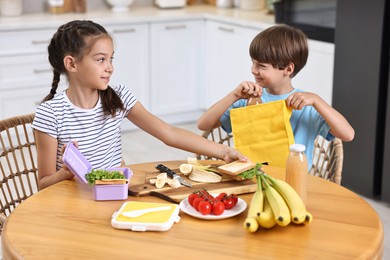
{"x":63,"y":221}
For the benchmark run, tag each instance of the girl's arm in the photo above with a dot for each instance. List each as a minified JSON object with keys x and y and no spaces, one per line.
{"x":180,"y":138}
{"x":339,"y":126}
{"x":210,"y":119}
{"x":47,"y":158}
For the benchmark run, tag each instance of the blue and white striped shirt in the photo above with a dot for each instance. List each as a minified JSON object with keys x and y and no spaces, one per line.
{"x":98,"y":136}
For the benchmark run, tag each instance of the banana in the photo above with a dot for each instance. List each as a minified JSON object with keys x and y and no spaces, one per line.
{"x":292,"y":199}
{"x":257,"y":201}
{"x":308,"y":218}
{"x":255,"y":208}
{"x":266,"y":218}
{"x":251,"y":224}
{"x":278,"y":205}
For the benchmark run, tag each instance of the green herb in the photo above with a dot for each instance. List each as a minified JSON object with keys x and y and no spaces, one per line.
{"x":249,"y":174}
{"x":94,"y":175}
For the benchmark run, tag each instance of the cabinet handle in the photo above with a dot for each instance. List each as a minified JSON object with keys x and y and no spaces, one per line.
{"x":35,"y":42}
{"x":225,"y":29}
{"x":130,"y":30}
{"x":40,"y":71}
{"x":175,"y":27}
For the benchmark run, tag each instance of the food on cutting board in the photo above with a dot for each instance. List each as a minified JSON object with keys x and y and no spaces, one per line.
{"x":163,"y":179}
{"x":206,"y":203}
{"x":104,"y":177}
{"x":275,"y":202}
{"x":198,"y":172}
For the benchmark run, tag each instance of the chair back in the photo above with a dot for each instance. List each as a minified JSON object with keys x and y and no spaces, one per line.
{"x":328,"y":159}
{"x":327,"y":156}
{"x":217,"y":135}
{"x":18,"y":170}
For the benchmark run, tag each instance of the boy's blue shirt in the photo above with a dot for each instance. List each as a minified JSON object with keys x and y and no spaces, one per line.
{"x":306,"y":123}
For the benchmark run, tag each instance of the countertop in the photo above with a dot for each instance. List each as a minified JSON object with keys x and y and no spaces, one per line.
{"x":141,"y":14}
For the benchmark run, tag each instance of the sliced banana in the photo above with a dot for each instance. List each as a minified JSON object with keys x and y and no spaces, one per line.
{"x":160,"y":182}
{"x":174,"y":183}
{"x":192,"y":160}
{"x":186,"y":168}
{"x":162,"y":175}
{"x":152,"y":181}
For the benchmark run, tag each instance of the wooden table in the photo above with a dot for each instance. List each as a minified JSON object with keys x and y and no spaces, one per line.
{"x":63,"y":221}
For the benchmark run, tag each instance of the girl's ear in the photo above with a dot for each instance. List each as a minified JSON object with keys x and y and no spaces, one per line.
{"x":70,"y":64}
{"x":289,"y":69}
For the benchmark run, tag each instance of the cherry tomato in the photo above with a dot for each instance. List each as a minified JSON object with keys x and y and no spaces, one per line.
{"x":196,"y":202}
{"x":191,"y":198}
{"x":221,"y":195}
{"x":218,"y":208}
{"x":204,"y":207}
{"x":229,"y":203}
{"x":235,"y":198}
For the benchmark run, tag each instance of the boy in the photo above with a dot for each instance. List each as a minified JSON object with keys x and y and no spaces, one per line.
{"x":278,"y":54}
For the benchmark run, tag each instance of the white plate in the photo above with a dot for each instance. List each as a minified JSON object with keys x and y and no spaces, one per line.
{"x":227,"y":213}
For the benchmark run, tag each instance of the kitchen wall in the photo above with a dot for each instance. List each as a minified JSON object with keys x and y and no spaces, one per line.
{"x":39,"y":6}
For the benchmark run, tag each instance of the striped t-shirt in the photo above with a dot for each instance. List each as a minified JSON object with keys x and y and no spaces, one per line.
{"x":98,"y":136}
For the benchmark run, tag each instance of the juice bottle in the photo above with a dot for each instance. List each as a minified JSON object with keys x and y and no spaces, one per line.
{"x":297,"y":170}
{"x":252,"y":100}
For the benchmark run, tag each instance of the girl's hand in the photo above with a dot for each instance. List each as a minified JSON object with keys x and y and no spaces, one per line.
{"x":65,"y":170}
{"x":299,"y":100}
{"x":247,"y":89}
{"x":234,"y":155}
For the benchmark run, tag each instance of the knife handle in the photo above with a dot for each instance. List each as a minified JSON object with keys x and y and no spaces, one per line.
{"x":163,"y":168}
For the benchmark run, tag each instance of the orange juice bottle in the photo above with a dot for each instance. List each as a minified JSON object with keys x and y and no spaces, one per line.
{"x":297,"y":170}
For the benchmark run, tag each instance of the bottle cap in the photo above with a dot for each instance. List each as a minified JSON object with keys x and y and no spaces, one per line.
{"x":297,"y":147}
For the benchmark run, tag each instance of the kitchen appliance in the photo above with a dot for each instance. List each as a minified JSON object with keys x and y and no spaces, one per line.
{"x":316,"y":18}
{"x":170,"y":3}
{"x":361,"y":93}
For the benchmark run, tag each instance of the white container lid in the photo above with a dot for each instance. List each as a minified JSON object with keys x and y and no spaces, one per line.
{"x":297,"y":147}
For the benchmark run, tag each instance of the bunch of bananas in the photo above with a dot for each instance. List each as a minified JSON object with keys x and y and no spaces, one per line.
{"x":275,"y":202}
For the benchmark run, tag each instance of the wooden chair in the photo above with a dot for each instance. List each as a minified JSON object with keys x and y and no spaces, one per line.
{"x":327,"y":156}
{"x":18,"y":171}
{"x":217,"y":135}
{"x":328,"y":159}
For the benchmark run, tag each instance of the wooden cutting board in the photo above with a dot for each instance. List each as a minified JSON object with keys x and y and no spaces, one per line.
{"x":175,"y":195}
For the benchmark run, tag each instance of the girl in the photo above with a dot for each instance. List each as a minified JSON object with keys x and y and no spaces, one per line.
{"x":278,"y":54}
{"x":90,"y":111}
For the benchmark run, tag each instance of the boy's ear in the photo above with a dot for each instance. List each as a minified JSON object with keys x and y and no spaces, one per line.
{"x":70,"y":64}
{"x":289,"y":69}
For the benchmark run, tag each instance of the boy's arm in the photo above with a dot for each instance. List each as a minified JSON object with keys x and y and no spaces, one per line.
{"x":210,"y":119}
{"x":339,"y":126}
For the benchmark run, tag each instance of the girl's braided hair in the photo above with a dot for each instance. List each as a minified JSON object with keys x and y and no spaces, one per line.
{"x":71,"y":39}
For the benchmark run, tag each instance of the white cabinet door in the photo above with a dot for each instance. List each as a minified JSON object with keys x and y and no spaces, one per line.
{"x":317,"y":75}
{"x":227,"y":59}
{"x":175,"y":56}
{"x":131,"y":62}
{"x":131,"y":59}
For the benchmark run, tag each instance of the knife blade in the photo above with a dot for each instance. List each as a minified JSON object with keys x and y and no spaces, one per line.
{"x":172,"y":174}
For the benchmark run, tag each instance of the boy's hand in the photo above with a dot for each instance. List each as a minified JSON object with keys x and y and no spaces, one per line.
{"x":247,"y":89}
{"x":299,"y":100}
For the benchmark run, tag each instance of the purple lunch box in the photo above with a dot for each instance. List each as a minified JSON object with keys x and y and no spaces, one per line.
{"x":79,"y":166}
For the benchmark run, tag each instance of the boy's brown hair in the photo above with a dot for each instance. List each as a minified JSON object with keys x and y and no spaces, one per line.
{"x":279,"y":46}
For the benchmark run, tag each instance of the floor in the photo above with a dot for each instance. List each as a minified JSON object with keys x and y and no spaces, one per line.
{"x":140,"y":147}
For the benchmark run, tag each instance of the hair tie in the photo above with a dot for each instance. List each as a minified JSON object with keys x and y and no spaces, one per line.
{"x":53,"y":91}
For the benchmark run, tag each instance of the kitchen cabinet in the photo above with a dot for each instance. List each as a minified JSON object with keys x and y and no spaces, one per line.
{"x":226,"y":61}
{"x":175,"y":54}
{"x":317,"y":75}
{"x":131,"y":61}
{"x":25,"y":74}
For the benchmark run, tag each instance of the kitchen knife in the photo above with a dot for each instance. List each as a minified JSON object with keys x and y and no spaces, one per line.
{"x":172,"y":174}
